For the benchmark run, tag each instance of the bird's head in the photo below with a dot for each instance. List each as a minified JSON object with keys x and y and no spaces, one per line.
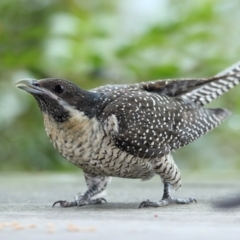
{"x":57,"y":97}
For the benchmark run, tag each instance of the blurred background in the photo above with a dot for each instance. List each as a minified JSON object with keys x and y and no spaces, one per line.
{"x":92,"y":43}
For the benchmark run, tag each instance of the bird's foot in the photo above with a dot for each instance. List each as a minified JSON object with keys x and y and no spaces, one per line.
{"x":166,"y":201}
{"x":80,"y":202}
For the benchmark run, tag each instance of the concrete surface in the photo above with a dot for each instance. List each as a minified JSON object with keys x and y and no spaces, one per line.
{"x":26,"y":209}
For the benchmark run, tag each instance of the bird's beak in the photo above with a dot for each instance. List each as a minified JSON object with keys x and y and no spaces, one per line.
{"x":29,"y":85}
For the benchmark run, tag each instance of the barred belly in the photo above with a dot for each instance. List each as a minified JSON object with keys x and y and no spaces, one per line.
{"x":84,"y":143}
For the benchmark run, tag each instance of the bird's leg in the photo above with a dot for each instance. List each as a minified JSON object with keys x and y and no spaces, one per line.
{"x":170,"y":175}
{"x":95,"y":185}
{"x":166,"y":199}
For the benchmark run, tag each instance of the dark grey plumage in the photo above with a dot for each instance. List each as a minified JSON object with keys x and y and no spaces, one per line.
{"x":129,"y":130}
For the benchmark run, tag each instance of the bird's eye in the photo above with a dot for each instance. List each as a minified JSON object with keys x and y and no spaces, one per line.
{"x":58,"y":88}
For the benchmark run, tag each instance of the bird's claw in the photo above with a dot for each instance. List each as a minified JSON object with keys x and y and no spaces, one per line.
{"x":166,"y":201}
{"x":144,"y":204}
{"x":80,"y":202}
{"x":65,"y":204}
{"x":98,"y":201}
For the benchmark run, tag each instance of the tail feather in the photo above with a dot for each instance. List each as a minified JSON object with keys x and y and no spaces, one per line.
{"x":200,"y":121}
{"x":213,"y":88}
{"x":220,"y":114}
{"x":235,"y":68}
{"x":200,"y":91}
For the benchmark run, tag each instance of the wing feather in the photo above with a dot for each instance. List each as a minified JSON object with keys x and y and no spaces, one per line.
{"x":151,"y":125}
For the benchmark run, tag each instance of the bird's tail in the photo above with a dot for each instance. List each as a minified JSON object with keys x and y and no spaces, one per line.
{"x":201,"y":90}
{"x":235,"y":68}
{"x":213,"y":87}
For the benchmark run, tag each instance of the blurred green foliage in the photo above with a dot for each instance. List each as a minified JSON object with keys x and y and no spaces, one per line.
{"x":123,"y":41}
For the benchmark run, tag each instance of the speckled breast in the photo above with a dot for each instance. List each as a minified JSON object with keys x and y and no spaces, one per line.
{"x":84,"y":143}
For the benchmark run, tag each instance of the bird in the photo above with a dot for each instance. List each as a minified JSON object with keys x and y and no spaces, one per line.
{"x":129,"y":130}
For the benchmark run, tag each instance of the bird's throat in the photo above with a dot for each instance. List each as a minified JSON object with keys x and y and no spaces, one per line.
{"x":72,"y":138}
